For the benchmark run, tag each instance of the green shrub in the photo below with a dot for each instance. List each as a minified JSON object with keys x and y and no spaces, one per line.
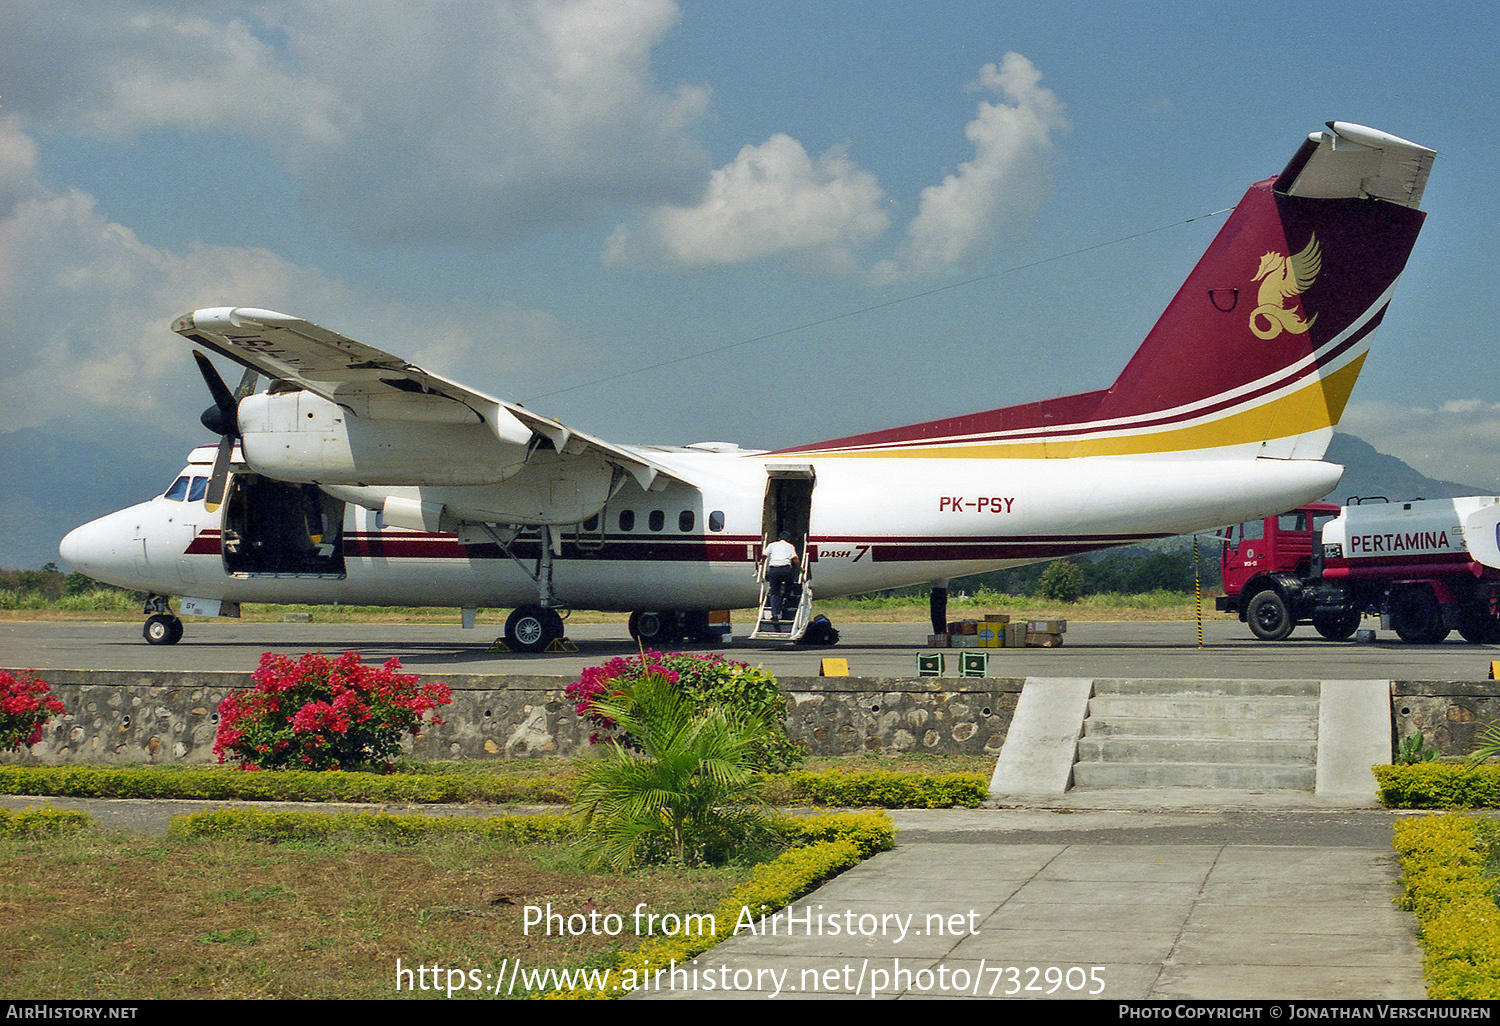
{"x":222,"y":784}
{"x":1061,"y":582}
{"x":1447,"y":883}
{"x":708,"y":680}
{"x":280,"y":826}
{"x":1438,"y":785}
{"x":880,"y":788}
{"x":1414,"y":749}
{"x":684,"y":789}
{"x":41,"y":822}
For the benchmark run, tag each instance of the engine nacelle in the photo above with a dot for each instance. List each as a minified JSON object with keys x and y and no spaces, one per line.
{"x":299,"y":436}
{"x":548,"y":490}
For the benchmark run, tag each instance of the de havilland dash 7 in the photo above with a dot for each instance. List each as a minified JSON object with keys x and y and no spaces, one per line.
{"x":356,"y":477}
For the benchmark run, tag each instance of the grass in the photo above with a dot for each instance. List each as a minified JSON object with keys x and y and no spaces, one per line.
{"x":108,"y":915}
{"x":118,"y":916}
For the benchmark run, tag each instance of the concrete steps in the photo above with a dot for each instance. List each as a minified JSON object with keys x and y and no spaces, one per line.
{"x":1208,"y":733}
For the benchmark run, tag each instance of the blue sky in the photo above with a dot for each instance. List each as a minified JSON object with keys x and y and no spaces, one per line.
{"x":759,"y":222}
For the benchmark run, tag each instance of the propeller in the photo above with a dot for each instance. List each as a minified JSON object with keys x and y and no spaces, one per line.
{"x":222,"y":418}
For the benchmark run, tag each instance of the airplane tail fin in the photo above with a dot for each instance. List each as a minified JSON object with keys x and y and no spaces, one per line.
{"x":1257,"y":353}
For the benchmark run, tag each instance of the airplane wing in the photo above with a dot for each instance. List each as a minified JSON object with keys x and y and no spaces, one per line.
{"x":373,"y":384}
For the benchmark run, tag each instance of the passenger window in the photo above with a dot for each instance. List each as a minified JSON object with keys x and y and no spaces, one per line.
{"x":198,"y":490}
{"x":716,"y":520}
{"x":592,"y":523}
{"x":657,"y":520}
{"x":685,"y":520}
{"x":179,"y":489}
{"x":627,"y":520}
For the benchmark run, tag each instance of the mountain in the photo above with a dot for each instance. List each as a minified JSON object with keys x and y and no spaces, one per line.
{"x":61,"y":475}
{"x":1370,"y":473}
{"x":58,"y":476}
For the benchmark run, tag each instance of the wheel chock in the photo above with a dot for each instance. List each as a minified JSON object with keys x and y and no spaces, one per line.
{"x":833,"y":668}
{"x":562,"y":645}
{"x":499,"y":645}
{"x":1493,"y":668}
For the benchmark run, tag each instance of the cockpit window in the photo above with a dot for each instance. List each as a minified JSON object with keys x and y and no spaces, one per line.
{"x":199,"y":488}
{"x":179,"y":489}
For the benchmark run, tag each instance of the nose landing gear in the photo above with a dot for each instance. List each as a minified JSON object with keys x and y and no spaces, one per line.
{"x":162,"y":626}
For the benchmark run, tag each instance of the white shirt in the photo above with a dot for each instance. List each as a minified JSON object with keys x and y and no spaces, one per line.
{"x":780,"y":553}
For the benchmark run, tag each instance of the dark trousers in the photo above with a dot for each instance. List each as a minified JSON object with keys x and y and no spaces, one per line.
{"x":783,"y":581}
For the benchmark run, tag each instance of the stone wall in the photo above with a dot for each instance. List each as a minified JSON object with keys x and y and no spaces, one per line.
{"x":117,"y":717}
{"x":1448,"y":714}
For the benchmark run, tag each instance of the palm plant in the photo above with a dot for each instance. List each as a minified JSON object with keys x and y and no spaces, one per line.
{"x":1487,"y":744}
{"x":684,"y":792}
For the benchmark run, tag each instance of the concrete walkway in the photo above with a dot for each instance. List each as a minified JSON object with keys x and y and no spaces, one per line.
{"x":1110,"y":894}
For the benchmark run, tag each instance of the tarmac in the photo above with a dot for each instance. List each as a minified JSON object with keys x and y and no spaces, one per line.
{"x":1107,"y":894}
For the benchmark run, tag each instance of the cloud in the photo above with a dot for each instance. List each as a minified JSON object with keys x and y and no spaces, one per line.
{"x":466,"y":120}
{"x":772,"y":199}
{"x":86,"y":309}
{"x":775,"y":200}
{"x":1457,"y":440}
{"x":1007,"y":178}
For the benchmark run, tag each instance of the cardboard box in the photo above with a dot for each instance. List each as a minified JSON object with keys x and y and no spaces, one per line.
{"x":937,"y":641}
{"x":963,"y":627}
{"x":1000,"y":618}
{"x":989,"y":636}
{"x":1015,"y":635}
{"x":1047,"y":626}
{"x":1042,"y":639}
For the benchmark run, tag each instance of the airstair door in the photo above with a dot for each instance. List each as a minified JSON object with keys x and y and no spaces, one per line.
{"x":787,"y":510}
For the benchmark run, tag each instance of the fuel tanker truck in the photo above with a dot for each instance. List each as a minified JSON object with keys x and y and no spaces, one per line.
{"x":1426,"y":567}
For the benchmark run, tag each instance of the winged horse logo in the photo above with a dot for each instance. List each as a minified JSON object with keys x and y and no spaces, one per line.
{"x":1285,"y":278}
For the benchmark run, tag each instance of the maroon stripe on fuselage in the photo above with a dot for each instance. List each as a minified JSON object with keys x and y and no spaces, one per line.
{"x":696,"y":549}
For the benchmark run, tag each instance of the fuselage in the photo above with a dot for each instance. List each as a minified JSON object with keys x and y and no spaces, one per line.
{"x":872,"y":524}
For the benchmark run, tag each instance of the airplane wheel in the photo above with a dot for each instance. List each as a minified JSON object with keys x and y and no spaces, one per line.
{"x":1268,"y":617}
{"x":162,"y":629}
{"x":532,"y":629}
{"x":650,"y":627}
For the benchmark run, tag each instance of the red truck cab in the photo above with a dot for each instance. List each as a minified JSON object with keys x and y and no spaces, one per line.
{"x":1280,"y":544}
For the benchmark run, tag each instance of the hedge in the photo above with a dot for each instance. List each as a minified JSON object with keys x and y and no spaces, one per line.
{"x":1447,"y":885}
{"x":877,"y":788}
{"x":1439,"y":785}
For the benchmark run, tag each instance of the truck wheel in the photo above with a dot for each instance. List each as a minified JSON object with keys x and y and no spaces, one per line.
{"x":1479,"y":627}
{"x":1416,"y":617}
{"x":1268,"y":617}
{"x":1337,"y":627}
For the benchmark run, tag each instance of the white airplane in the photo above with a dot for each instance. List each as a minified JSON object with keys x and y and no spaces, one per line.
{"x":359,"y":478}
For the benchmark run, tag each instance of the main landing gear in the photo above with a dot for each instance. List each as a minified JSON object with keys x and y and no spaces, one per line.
{"x":533,"y":629}
{"x":671,"y":626}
